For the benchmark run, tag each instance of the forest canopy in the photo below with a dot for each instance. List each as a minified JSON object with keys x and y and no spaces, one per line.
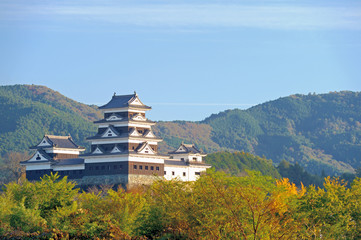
{"x":217,"y":206}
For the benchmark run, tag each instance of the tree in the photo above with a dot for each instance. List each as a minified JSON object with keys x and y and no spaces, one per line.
{"x":328,"y":212}
{"x":11,"y":165}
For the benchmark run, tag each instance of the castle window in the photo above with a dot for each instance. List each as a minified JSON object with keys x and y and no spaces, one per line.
{"x":195,"y":159}
{"x":197,"y":173}
{"x":135,"y":166}
{"x":165,"y":173}
{"x":173,"y":173}
{"x":157,"y":168}
{"x":152,"y":168}
{"x":146,"y":152}
{"x":146,"y":167}
{"x":182,"y":159}
{"x":38,"y":157}
{"x":184,"y":174}
{"x":140,"y":167}
{"x":133,"y":147}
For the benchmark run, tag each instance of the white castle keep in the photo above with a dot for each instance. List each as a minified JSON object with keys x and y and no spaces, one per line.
{"x":124,"y":151}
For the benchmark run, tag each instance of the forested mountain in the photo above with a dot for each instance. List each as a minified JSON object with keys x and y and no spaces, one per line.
{"x":28,"y":112}
{"x":237,"y":163}
{"x":322,"y":133}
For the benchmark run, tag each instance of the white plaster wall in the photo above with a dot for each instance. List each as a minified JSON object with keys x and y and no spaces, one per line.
{"x":178,"y":172}
{"x":39,"y":166}
{"x":44,"y":144}
{"x":126,"y":124}
{"x":102,"y":159}
{"x":63,"y":151}
{"x":123,"y":140}
{"x":187,"y":157}
{"x":145,"y":159}
{"x":114,"y":110}
{"x":69,"y":167}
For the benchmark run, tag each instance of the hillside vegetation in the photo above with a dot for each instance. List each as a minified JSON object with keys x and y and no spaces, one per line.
{"x":216,"y":206}
{"x":28,"y":112}
{"x":238,"y":163}
{"x":322,"y":133}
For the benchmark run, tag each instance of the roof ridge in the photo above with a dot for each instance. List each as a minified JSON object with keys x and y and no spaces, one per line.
{"x":55,"y":136}
{"x":188,"y":144}
{"x":115,"y":96}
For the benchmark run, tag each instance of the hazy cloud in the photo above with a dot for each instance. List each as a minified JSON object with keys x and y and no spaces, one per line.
{"x":202,"y":104}
{"x":277,"y":16}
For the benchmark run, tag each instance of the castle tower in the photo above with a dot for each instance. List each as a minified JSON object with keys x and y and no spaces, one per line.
{"x":186,"y":163}
{"x":55,"y":154}
{"x":124,"y":150}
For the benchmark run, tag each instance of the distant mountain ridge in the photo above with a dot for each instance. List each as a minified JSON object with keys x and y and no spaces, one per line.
{"x":320,"y":132}
{"x":29,"y":111}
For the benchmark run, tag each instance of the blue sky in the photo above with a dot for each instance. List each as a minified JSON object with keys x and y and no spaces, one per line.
{"x":187,"y":59}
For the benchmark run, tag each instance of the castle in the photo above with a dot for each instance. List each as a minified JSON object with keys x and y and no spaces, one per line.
{"x":124,"y":151}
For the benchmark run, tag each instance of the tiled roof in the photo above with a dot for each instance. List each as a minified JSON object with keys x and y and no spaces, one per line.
{"x":69,"y":161}
{"x":147,"y":132}
{"x":189,"y":148}
{"x":142,"y":146}
{"x":122,"y":135}
{"x":43,"y":153}
{"x":124,"y":120}
{"x":111,"y":127}
{"x":120,"y":101}
{"x":59,"y":142}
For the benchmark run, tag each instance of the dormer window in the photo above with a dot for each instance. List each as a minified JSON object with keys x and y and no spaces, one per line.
{"x":110,"y":132}
{"x":38,"y":157}
{"x":113,"y":118}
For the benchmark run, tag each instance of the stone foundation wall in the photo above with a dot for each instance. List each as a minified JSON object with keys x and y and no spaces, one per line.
{"x":104,"y":180}
{"x":125,"y":180}
{"x":138,"y":180}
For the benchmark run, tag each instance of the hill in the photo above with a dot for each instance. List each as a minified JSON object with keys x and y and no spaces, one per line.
{"x":237,"y":163}
{"x":322,"y":133}
{"x":28,"y":112}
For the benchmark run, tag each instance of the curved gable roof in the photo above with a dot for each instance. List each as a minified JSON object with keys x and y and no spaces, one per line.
{"x":58,"y":142}
{"x":121,"y":101}
{"x":186,"y":148}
